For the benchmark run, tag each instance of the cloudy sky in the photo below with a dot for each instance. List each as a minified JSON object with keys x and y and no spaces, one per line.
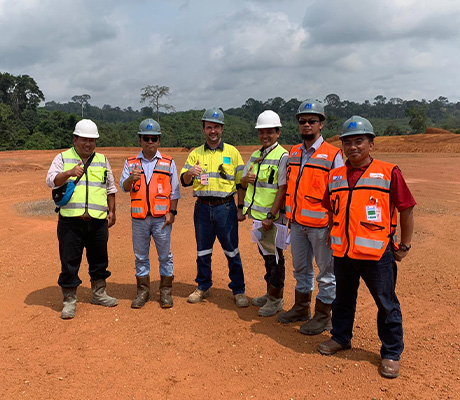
{"x":220,"y":53}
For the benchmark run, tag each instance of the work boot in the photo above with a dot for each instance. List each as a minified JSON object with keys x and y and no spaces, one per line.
{"x":99,"y":296}
{"x":331,"y":347}
{"x":274,"y":302}
{"x":70,"y":303}
{"x":300,"y":311}
{"x":261,"y":300}
{"x":389,"y":368}
{"x":166,"y":300}
{"x":143,"y":291}
{"x":320,"y":322}
{"x":241,"y":300}
{"x":198,"y":295}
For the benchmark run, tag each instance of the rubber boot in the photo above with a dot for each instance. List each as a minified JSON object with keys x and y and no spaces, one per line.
{"x":320,"y":322}
{"x":70,"y":303}
{"x":274,"y":302}
{"x":261,"y":300}
{"x":300,"y":311}
{"x":166,"y":300}
{"x":99,"y":296}
{"x":143,"y":291}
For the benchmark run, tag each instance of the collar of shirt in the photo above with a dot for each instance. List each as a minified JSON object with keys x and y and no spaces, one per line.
{"x":220,"y":146}
{"x":142,"y":157}
{"x":264,"y":152}
{"x":314,"y":146}
{"x":351,"y":168}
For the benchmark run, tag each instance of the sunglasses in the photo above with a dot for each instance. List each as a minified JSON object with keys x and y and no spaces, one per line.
{"x":310,"y":121}
{"x":147,"y":139}
{"x":222,"y":173}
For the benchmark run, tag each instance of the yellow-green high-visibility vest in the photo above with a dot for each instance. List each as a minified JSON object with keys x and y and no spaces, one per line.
{"x":91,"y":191}
{"x":260,"y":196}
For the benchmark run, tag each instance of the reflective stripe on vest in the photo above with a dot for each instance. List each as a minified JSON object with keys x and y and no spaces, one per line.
{"x":154,"y":197}
{"x":261,"y":195}
{"x":306,"y":186}
{"x":91,"y":191}
{"x":356,"y":232}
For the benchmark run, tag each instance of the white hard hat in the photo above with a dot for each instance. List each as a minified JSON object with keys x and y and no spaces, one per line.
{"x":87,"y":129}
{"x":268,"y":119}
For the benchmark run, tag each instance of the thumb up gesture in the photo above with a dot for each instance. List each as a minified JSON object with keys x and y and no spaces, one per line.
{"x":196,"y":169}
{"x":250,"y":175}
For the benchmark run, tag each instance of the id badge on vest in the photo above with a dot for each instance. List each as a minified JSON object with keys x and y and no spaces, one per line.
{"x":204,"y":178}
{"x":373,"y":214}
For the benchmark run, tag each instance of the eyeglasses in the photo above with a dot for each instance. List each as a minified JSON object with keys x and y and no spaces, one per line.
{"x":147,"y":139}
{"x":310,"y":121}
{"x":222,"y":173}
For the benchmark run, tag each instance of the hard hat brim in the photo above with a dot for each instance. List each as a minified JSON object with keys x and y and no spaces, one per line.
{"x":264,"y":126}
{"x":87,"y":135}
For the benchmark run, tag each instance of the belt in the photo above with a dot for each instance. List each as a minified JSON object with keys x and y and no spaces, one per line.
{"x":215,"y":202}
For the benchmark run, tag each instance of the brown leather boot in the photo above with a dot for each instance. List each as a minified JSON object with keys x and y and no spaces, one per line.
{"x":320,"y":322}
{"x":300,"y":311}
{"x":166,"y":300}
{"x":143,"y":291}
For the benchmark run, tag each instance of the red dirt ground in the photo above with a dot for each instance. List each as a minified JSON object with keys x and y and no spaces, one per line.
{"x":213,"y":350}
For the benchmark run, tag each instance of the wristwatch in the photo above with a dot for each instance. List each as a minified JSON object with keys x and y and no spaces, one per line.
{"x":404,"y":247}
{"x":173,"y":212}
{"x":270,"y":215}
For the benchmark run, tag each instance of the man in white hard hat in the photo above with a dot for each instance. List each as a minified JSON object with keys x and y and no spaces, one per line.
{"x":264,"y":179}
{"x":151,"y":179}
{"x":85,"y":219}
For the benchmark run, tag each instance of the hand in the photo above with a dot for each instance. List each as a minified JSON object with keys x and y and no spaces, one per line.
{"x":399,"y":255}
{"x":77,"y":170}
{"x":241,"y":216}
{"x":196,"y":169}
{"x":328,"y":239}
{"x":267,"y":224}
{"x":136,"y":173}
{"x":250,"y":176}
{"x":169,"y":220}
{"x":111,"y":218}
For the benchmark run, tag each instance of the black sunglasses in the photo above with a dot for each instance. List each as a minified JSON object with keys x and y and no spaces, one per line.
{"x":150,"y":138}
{"x":222,"y":173}
{"x":310,"y":121}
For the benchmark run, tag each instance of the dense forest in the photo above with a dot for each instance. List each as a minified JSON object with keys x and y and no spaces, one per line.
{"x":24,"y":124}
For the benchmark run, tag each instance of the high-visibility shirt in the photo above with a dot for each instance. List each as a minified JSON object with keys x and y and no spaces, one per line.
{"x":222,"y":170}
{"x":306,"y":186}
{"x":364,"y":218}
{"x":154,"y":197}
{"x":90,"y":194}
{"x":260,"y":196}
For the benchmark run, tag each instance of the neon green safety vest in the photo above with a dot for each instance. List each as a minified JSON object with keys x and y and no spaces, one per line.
{"x":91,"y":191}
{"x":261,"y":196}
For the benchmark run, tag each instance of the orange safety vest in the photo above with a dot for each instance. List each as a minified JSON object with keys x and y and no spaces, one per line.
{"x":364,"y":218}
{"x":305,"y":190}
{"x":158,"y":189}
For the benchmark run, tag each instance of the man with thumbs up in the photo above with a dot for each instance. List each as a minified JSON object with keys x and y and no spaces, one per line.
{"x":85,"y":219}
{"x":214,"y":170}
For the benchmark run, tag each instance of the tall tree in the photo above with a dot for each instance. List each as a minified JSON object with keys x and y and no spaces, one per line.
{"x":153,"y":94}
{"x":82,"y":100}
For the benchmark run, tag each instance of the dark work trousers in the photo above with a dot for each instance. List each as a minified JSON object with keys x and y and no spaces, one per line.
{"x":380,"y":278}
{"x":274,"y":272}
{"x":75,"y":234}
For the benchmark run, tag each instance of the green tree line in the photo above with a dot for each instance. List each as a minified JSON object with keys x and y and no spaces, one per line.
{"x":26,"y":125}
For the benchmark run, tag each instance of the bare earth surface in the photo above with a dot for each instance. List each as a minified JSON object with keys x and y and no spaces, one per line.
{"x":213,"y":350}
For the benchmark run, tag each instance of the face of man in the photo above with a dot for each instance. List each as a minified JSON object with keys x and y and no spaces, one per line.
{"x":213,"y":133}
{"x":310,"y":126}
{"x":149,"y":144}
{"x":84,"y":146}
{"x":357,"y":149}
{"x":268,"y":136}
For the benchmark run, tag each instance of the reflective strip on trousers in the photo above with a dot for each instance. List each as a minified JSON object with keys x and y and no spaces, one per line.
{"x":369,"y":243}
{"x":202,"y":253}
{"x":313,"y":214}
{"x":231,"y":254}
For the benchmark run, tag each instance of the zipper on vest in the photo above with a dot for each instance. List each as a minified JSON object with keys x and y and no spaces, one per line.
{"x":297,"y":185}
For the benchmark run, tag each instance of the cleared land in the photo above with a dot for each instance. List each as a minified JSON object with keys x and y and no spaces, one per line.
{"x":213,"y":350}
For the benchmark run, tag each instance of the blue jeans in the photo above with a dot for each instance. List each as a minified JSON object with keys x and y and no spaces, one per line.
{"x":219,"y":221}
{"x":306,"y":243}
{"x":380,"y":278}
{"x":142,"y":230}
